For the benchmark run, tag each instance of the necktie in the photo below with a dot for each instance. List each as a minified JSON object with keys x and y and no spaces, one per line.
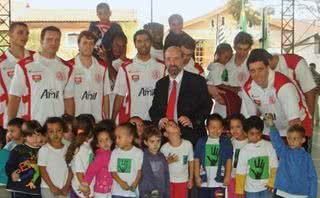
{"x":172,"y":101}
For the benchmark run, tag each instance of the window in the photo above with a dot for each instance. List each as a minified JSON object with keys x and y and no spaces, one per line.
{"x":199,"y":52}
{"x":72,"y":40}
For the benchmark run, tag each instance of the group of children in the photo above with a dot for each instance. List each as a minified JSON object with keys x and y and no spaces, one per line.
{"x":77,"y":157}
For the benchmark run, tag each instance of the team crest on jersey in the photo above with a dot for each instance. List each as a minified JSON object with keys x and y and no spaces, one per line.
{"x":98,"y":78}
{"x":36,"y":77}
{"x":155,"y":74}
{"x":77,"y":79}
{"x":60,"y":76}
{"x":10,"y":73}
{"x":135,"y":77}
{"x":272,"y":99}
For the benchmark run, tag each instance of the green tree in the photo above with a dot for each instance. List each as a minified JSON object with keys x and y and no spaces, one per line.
{"x":235,"y":11}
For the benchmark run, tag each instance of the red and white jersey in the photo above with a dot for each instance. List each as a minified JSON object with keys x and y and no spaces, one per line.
{"x":237,"y":74}
{"x":42,"y":81}
{"x":296,"y":68}
{"x":281,"y":99}
{"x":88,"y":86}
{"x":136,"y":81}
{"x":194,"y":68}
{"x":7,"y":65}
{"x":2,"y":106}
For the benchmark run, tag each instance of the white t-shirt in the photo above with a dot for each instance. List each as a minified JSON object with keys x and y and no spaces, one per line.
{"x":179,"y":171}
{"x":211,"y":163}
{"x":215,"y":77}
{"x":237,"y":146}
{"x":194,"y":68}
{"x":88,"y":86}
{"x":55,"y":163}
{"x":142,"y":78}
{"x":300,"y":73}
{"x":237,"y":74}
{"x":283,"y":102}
{"x":7,"y":66}
{"x":44,"y":80}
{"x":126,"y":164}
{"x":79,"y":164}
{"x":256,"y":162}
{"x":157,"y":54}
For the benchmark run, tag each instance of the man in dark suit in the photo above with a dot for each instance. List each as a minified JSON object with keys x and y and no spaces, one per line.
{"x":181,"y":96}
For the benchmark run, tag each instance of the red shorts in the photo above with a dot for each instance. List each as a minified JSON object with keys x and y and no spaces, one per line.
{"x":179,"y":190}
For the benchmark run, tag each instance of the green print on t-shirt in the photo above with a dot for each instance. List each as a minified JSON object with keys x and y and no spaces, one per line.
{"x":259,"y":167}
{"x":124,"y":165}
{"x":236,"y":158}
{"x":91,"y":158}
{"x":185,"y":159}
{"x":212,"y":154}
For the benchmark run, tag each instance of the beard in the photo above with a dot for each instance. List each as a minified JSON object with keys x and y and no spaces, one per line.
{"x":173,"y":70}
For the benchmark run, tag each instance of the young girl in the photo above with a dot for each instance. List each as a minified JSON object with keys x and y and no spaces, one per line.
{"x":99,"y":168}
{"x":79,"y":154}
{"x":68,"y":134}
{"x":239,"y":140}
{"x":125,"y":163}
{"x":218,"y":75}
{"x":55,"y":174}
{"x":136,"y":120}
{"x":22,"y":169}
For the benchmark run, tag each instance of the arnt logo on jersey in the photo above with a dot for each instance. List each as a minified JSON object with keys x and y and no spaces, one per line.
{"x":10,"y":73}
{"x":135,"y":77}
{"x":156,"y":74}
{"x":89,"y":95}
{"x":60,"y":76}
{"x":36,"y":77}
{"x":50,"y":94}
{"x":146,"y":91}
{"x":98,"y":78}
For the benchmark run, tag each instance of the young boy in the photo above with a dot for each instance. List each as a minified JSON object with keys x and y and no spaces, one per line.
{"x":296,"y":175}
{"x":4,"y":156}
{"x":22,"y":169}
{"x":179,"y":155}
{"x":14,"y":129}
{"x":257,"y":163}
{"x":213,"y":160}
{"x":155,"y":169}
{"x":55,"y":174}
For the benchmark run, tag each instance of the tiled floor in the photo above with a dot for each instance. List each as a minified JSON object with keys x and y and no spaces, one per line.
{"x":316,"y":154}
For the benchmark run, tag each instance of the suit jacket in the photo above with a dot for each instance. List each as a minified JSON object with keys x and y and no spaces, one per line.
{"x":193,"y":101}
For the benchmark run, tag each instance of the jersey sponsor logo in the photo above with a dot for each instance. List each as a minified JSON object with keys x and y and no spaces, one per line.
{"x":77,"y":79}
{"x":60,"y":76}
{"x":89,"y":95}
{"x":36,"y":77}
{"x":135,"y":77}
{"x":98,"y":78}
{"x":146,"y":91}
{"x":156,"y":74}
{"x":10,"y":73}
{"x":50,"y":94}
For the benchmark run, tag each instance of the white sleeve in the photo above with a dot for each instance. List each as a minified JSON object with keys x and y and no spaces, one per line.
{"x":304,"y":76}
{"x":242,"y":163}
{"x":190,"y":153}
{"x":248,"y":107}
{"x":18,"y":85}
{"x":289,"y":100}
{"x":42,"y":156}
{"x":106,"y":84}
{"x":139,"y":159}
{"x":163,"y":150}
{"x":70,"y":88}
{"x":78,"y":162}
{"x":120,"y":87}
{"x":113,"y":162}
{"x":273,"y":157}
